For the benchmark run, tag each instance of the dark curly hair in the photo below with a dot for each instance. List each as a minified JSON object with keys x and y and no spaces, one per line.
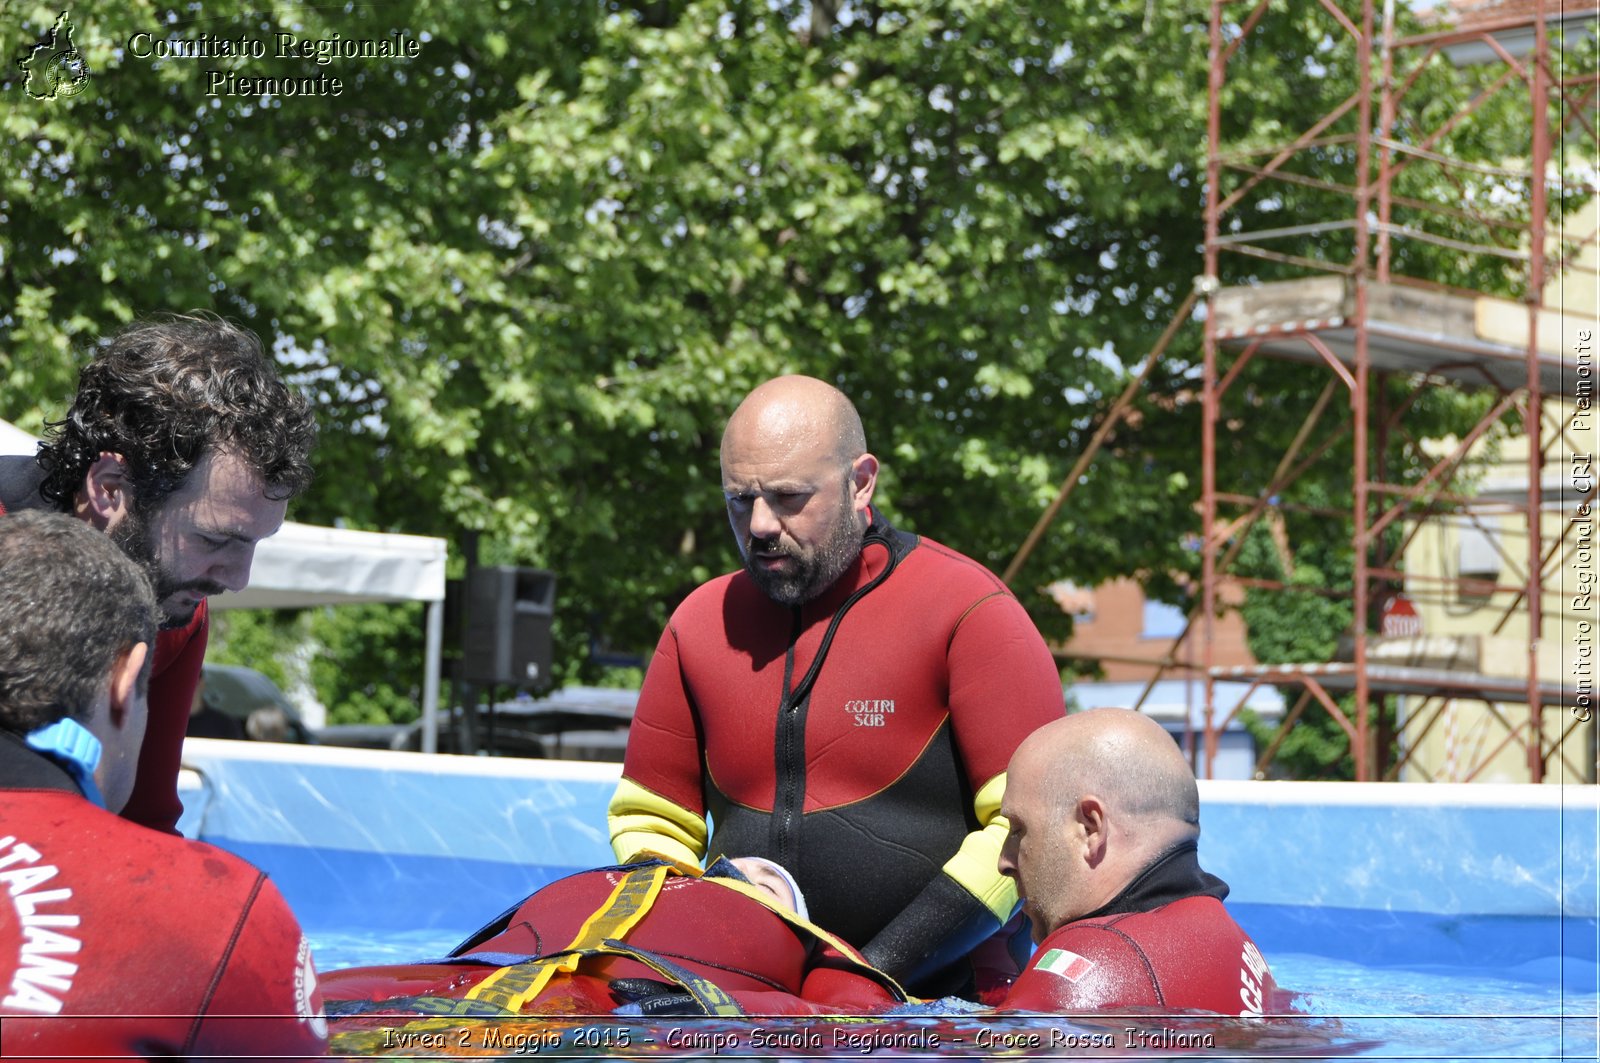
{"x":161,"y":392}
{"x":72,"y":602}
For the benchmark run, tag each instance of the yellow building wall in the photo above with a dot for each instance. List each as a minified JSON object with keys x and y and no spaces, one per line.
{"x":1460,"y":740}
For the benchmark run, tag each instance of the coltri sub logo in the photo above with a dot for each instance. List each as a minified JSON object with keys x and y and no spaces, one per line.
{"x":870,"y":712}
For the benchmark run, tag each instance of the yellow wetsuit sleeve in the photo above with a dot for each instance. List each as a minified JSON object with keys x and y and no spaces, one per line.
{"x":976,"y":864}
{"x":641,"y":821}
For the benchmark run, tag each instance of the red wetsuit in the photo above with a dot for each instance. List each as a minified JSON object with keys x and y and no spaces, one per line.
{"x":120,"y":941}
{"x":768,"y":964}
{"x":1166,"y":941}
{"x":859,"y":739}
{"x":173,"y":676}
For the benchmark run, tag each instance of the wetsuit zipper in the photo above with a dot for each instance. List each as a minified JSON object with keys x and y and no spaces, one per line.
{"x":789,"y":747}
{"x":790,"y":760}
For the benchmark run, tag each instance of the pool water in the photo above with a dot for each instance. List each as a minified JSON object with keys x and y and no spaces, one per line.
{"x":1409,"y":918}
{"x":1452,"y":1012}
{"x":1541,"y":1010}
{"x":335,"y":949}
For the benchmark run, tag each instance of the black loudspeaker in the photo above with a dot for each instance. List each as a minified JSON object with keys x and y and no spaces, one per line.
{"x":506,"y":638}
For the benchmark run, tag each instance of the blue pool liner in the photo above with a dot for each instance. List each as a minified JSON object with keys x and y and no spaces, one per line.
{"x":1479,"y":876}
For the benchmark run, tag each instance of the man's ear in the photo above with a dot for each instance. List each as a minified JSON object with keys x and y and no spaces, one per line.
{"x":107,"y":493}
{"x":863,"y":481}
{"x":1095,"y":828}
{"x":125,"y":682}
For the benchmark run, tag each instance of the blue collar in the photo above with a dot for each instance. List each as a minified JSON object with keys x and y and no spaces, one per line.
{"x":71,"y":745}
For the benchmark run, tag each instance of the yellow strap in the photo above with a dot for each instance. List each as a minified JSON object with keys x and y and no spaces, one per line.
{"x":512,"y":987}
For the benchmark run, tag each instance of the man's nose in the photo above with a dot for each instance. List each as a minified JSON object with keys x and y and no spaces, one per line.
{"x":234,"y":572}
{"x":1007,"y":864}
{"x":764,"y":522}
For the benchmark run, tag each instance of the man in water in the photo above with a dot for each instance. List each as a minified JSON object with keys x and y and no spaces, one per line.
{"x":1105,"y":829}
{"x":668,"y":939}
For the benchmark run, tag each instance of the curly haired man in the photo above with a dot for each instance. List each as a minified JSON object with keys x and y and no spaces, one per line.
{"x":184,"y":446}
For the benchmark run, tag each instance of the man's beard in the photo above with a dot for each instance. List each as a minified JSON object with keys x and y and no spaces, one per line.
{"x":814,"y":569}
{"x":132,"y":536}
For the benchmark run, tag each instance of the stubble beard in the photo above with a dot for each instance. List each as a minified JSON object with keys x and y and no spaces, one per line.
{"x":814,"y":570}
{"x":132,"y":536}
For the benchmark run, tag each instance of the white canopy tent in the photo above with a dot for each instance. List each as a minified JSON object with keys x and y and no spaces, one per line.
{"x":305,"y":565}
{"x":14,"y":440}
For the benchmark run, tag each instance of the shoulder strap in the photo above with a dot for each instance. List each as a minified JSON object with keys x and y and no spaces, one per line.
{"x":602,"y":934}
{"x":511,"y":987}
{"x":805,"y":926}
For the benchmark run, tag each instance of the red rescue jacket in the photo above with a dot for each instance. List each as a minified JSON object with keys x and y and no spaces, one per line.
{"x":122,"y":941}
{"x":1165,"y":941}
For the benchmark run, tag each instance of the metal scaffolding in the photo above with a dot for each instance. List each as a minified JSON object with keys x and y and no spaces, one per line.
{"x":1340,"y":298}
{"x":1349,"y":292}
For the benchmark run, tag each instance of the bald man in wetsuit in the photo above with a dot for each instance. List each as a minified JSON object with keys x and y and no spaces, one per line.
{"x":1105,"y":828}
{"x":845,"y":705}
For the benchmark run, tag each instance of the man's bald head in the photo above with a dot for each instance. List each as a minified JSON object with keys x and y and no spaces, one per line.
{"x":800,"y":407}
{"x":1093,"y":799}
{"x":798,"y":482}
{"x":1124,"y":757}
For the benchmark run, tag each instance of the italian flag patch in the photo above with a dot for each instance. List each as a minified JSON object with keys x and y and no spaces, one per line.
{"x":1068,"y":965}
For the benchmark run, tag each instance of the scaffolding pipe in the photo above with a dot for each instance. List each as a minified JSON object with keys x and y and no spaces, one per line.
{"x":1113,"y":416}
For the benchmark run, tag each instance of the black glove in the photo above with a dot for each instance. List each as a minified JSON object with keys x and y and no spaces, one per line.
{"x":938,"y":929}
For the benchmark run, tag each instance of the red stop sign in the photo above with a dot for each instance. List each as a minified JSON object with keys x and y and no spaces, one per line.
{"x":1399,"y":618}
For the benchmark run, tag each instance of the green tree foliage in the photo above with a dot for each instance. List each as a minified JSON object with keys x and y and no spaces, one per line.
{"x":369,"y":668}
{"x":256,"y":639}
{"x":1298,"y":625}
{"x":363,"y":661}
{"x":527,"y":274}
